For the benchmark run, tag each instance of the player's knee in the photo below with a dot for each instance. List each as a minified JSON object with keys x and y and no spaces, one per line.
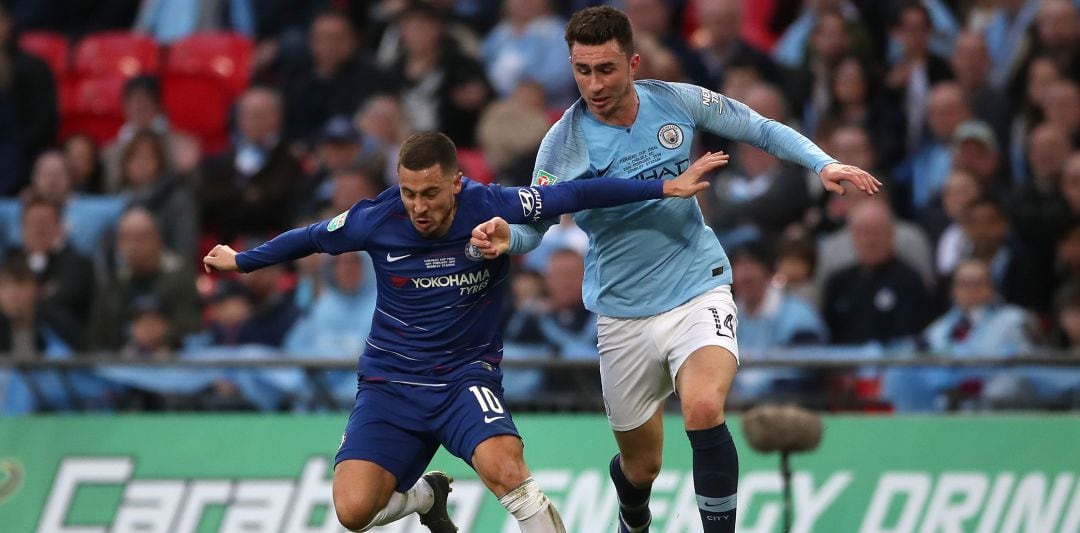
{"x":356,"y":512}
{"x":641,"y":471}
{"x":703,"y":413}
{"x":505,"y":477}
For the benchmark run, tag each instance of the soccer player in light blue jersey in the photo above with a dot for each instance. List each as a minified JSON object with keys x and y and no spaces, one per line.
{"x":655,"y":273}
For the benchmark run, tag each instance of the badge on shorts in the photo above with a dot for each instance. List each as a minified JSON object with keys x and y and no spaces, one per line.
{"x":337,"y":222}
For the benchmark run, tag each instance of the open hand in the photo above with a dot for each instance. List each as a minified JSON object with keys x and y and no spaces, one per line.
{"x":835,"y":173}
{"x":692,"y":180}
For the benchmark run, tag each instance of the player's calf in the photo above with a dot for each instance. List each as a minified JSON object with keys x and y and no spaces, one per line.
{"x":634,"y":514}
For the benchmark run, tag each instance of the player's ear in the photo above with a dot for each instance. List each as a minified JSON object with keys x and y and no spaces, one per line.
{"x":635,"y":62}
{"x":457,"y":182}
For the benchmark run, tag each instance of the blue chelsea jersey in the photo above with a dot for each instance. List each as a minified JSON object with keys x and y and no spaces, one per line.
{"x":439,"y":304}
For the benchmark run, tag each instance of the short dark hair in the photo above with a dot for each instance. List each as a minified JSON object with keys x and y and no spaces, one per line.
{"x":986,"y":199}
{"x":421,"y":150}
{"x":35,"y":200}
{"x":143,"y":84}
{"x":15,"y":268}
{"x":598,"y":25}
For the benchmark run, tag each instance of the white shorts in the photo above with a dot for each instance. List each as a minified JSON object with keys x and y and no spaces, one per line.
{"x":640,"y":357}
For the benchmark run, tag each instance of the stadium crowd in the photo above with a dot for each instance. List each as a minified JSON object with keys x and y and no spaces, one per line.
{"x":117,"y":179}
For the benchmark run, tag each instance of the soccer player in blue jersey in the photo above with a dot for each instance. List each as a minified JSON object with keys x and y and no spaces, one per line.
{"x":654,"y":270}
{"x":429,"y":374}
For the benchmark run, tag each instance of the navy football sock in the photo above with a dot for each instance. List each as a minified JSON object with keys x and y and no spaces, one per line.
{"x":633,"y":501}
{"x":716,"y":477}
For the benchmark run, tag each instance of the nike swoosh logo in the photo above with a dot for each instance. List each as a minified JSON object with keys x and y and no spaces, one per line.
{"x":490,"y":419}
{"x":391,"y":259}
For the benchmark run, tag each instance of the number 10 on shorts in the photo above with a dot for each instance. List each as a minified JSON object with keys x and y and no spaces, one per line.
{"x":489,"y":403}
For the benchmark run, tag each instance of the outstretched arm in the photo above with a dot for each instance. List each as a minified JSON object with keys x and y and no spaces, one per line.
{"x":517,"y":205}
{"x":734,"y":120}
{"x":520,"y":205}
{"x":340,"y":234}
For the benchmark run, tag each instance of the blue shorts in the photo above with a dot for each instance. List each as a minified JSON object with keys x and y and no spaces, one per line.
{"x":400,"y":427}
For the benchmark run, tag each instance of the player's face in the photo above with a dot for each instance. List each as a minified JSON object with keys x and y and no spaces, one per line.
{"x":430,"y":198}
{"x":605,"y":77}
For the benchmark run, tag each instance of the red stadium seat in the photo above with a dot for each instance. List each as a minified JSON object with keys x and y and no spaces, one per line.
{"x":115,"y":53}
{"x":223,"y":56}
{"x":94,"y":106}
{"x":200,"y":106}
{"x":50,"y":47}
{"x":474,"y":165}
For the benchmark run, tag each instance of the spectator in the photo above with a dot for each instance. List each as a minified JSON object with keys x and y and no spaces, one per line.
{"x":719,"y":44}
{"x":351,"y":185}
{"x":880,"y":298}
{"x":168,"y":21}
{"x":522,"y":337}
{"x":229,"y":311}
{"x":986,"y":226}
{"x":250,"y":187}
{"x":65,"y":278}
{"x":1061,"y":107}
{"x":1070,"y":184}
{"x":856,"y":100}
{"x":977,"y":323}
{"x":976,"y":150}
{"x":145,"y":267}
{"x":1042,"y":74}
{"x":24,"y":332}
{"x":832,"y":40}
{"x":382,"y":123}
{"x":657,"y":61}
{"x":528,"y":44}
{"x":336,"y":81}
{"x":567,"y":326}
{"x":148,"y":333}
{"x":837,"y":250}
{"x":917,"y":69}
{"x":1067,"y":259}
{"x":28,"y":108}
{"x":970,"y":63}
{"x":84,"y":162}
{"x":509,"y":134}
{"x":86,"y":218}
{"x":274,"y":309}
{"x":442,"y":89}
{"x":924,"y":171}
{"x":145,"y":175}
{"x":337,"y":323}
{"x":796,"y":264}
{"x":339,"y":149}
{"x":1007,"y":37}
{"x":795,"y":43}
{"x":759,"y":196}
{"x":1057,"y":35}
{"x":961,"y":188}
{"x":143,"y":110}
{"x":653,"y":18}
{"x":1066,"y":332}
{"x":1039,"y":210}
{"x":769,"y":317}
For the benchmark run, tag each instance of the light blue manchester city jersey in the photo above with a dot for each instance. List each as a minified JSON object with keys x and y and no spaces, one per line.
{"x":650,"y":257}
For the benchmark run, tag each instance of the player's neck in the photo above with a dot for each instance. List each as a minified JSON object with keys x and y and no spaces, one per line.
{"x":626,"y":114}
